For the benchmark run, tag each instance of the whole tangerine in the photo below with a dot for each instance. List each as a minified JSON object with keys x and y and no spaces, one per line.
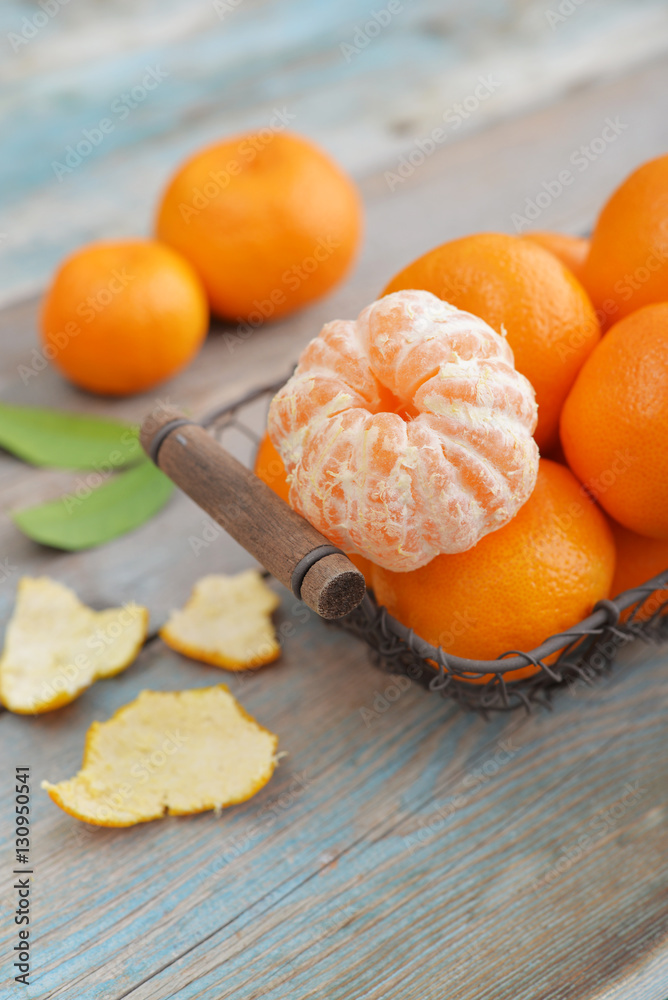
{"x":121,"y":317}
{"x":270,"y":469}
{"x":269,"y":221}
{"x":538,"y":575}
{"x":522,"y":289}
{"x":614,"y":425}
{"x":571,"y":250}
{"x":639,"y":559}
{"x":627,"y":265}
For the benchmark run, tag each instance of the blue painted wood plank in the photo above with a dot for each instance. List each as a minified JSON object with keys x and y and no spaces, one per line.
{"x":422,"y":820}
{"x":464,"y":895}
{"x":226,"y":75}
{"x":362,"y":883}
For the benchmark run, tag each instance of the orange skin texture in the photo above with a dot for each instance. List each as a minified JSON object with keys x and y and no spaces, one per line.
{"x":627,"y":266}
{"x":141,"y":328}
{"x":538,"y":575}
{"x":270,"y":469}
{"x":639,"y":559}
{"x":614,"y":425}
{"x":571,"y":250}
{"x":285,"y":204}
{"x":516,"y":285}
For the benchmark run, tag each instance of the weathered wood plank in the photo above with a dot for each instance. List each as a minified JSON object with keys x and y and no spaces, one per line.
{"x":343,"y":884}
{"x":331,"y":889}
{"x":226,"y":74}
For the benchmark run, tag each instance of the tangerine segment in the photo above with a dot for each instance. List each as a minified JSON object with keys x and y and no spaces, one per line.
{"x":56,"y":647}
{"x":537,"y":576}
{"x":407,"y":433}
{"x":270,"y":469}
{"x":168,"y":753}
{"x":226,"y":622}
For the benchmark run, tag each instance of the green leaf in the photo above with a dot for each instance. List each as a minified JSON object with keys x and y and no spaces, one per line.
{"x":62,"y":440}
{"x":91,"y":517}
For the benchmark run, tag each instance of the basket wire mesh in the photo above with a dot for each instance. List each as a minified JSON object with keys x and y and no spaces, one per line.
{"x":581,"y":654}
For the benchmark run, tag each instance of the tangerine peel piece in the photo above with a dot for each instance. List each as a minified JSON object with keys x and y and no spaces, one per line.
{"x":226,"y":622}
{"x":56,"y":647}
{"x":168,"y":753}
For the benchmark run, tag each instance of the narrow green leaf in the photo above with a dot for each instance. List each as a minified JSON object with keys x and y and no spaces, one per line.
{"x":81,"y":520}
{"x":63,"y":440}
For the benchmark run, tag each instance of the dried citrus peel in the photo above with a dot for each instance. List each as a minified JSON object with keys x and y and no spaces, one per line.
{"x":226,"y":622}
{"x":56,"y":647}
{"x":168,"y":752}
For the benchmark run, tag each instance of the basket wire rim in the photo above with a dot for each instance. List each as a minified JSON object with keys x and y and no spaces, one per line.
{"x":605,"y":615}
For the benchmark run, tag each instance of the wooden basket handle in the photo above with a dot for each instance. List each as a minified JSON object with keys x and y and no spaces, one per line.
{"x":279,"y":538}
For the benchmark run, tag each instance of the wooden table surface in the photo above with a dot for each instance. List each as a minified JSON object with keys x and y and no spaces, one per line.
{"x":403,"y":849}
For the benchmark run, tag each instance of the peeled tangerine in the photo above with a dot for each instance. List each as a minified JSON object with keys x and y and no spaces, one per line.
{"x":226,"y":622}
{"x":408,"y":432}
{"x":56,"y":647}
{"x":168,"y":752}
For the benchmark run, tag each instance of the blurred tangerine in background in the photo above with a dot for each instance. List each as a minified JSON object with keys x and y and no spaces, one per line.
{"x":267,"y":218}
{"x":627,"y":265}
{"x":614,"y":425}
{"x":518,"y":287}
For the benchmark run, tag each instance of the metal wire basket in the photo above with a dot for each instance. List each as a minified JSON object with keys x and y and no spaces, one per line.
{"x":583,"y":653}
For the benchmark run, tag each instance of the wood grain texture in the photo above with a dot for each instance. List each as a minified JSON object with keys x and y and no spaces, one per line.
{"x":227,"y":70}
{"x":403,"y":849}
